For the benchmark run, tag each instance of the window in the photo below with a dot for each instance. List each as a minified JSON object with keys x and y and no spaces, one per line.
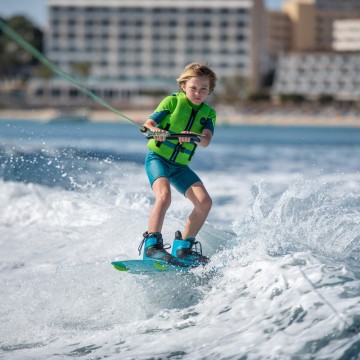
{"x":73,"y":93}
{"x":223,"y":37}
{"x":109,"y":93}
{"x":55,"y":92}
{"x":242,"y":11}
{"x":39,"y":92}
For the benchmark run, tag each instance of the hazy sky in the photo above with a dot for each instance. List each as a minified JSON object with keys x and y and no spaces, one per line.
{"x":36,"y":9}
{"x":33,"y":9}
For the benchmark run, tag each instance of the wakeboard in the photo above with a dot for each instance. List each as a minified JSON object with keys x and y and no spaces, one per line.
{"x":148,"y":266}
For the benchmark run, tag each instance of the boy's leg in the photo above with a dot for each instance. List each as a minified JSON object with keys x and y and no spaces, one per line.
{"x":162,"y":192}
{"x":153,"y":241}
{"x":202,"y":202}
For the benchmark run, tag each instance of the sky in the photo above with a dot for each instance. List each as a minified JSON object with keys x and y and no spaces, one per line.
{"x":36,"y":11}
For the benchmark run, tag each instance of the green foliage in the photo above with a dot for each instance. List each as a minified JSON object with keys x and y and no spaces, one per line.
{"x":259,"y":96}
{"x":81,"y":68}
{"x":14,"y":60}
{"x":294,"y":98}
{"x":43,"y":72}
{"x":325,"y":99}
{"x":234,"y":89}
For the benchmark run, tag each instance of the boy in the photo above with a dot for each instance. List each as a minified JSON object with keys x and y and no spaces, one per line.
{"x":167,"y":164}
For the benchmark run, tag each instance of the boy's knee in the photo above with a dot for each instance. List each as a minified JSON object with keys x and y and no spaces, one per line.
{"x":164,"y":197}
{"x":206,"y":204}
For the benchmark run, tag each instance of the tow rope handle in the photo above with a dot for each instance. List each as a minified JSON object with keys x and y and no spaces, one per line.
{"x":173,"y":136}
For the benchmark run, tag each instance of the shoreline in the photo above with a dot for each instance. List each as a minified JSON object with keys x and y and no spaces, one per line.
{"x":223,"y":117}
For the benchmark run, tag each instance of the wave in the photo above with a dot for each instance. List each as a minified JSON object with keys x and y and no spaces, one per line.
{"x":61,"y":167}
{"x":286,"y":249}
{"x":310,"y":215}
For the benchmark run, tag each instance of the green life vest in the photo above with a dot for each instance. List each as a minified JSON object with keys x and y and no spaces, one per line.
{"x":180,"y":116}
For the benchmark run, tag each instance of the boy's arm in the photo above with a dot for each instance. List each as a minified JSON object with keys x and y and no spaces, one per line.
{"x":206,"y":137}
{"x":163,"y":109}
{"x":208,"y":130}
{"x":151,"y":125}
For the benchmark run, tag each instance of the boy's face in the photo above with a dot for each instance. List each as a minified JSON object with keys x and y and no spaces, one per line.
{"x":197,"y":89}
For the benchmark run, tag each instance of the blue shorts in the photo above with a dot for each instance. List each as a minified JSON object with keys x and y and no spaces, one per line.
{"x":180,"y":176}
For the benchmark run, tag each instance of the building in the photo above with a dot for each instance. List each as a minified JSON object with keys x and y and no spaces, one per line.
{"x":278,"y":33}
{"x":312,"y":21}
{"x":346,"y":35}
{"x":309,"y":64}
{"x":313,"y":75}
{"x":138,"y":47}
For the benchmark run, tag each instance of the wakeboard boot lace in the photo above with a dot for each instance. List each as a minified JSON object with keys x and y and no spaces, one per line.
{"x":159,"y":245}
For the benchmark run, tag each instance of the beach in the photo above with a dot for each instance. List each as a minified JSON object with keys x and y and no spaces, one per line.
{"x":225,"y":116}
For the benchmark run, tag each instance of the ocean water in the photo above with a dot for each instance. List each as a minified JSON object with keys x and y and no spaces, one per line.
{"x":285,"y":225}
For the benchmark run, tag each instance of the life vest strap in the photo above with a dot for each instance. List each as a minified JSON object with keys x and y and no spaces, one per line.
{"x":173,"y":146}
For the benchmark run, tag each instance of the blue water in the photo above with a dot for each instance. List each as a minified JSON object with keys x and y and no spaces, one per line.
{"x":285,"y":221}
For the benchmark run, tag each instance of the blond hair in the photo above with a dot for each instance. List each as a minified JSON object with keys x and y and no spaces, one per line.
{"x":198,"y":70}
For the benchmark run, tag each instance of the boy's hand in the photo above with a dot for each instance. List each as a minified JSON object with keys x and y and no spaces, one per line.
{"x":158,"y":132}
{"x":150,"y":125}
{"x":186,"y":139}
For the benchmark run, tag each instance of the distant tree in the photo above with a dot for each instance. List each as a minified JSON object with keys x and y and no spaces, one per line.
{"x":44,"y":72}
{"x":81,"y":68}
{"x":234,"y":89}
{"x":292,"y":98}
{"x":259,"y":96}
{"x":268,"y":79}
{"x":14,"y":60}
{"x":325,"y":99}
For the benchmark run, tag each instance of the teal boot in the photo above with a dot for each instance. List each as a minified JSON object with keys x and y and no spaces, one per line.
{"x":188,"y":250}
{"x":154,"y":249}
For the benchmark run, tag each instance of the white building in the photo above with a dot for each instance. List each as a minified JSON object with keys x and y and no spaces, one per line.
{"x":316,"y":74}
{"x":346,"y":35}
{"x":139,"y":46}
